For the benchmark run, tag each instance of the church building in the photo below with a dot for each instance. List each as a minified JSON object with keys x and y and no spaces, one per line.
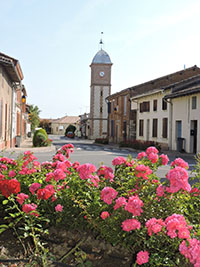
{"x":100,"y":88}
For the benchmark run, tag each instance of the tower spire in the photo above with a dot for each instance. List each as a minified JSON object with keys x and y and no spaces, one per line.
{"x":101,"y":41}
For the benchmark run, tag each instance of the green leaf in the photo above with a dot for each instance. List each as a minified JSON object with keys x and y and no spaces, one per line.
{"x":3,"y":226}
{"x":5,"y":202}
{"x":2,"y":230}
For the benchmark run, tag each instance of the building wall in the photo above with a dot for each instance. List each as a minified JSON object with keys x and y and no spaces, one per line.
{"x":148,"y":116}
{"x":99,"y":113}
{"x":119,"y":118}
{"x":60,"y":128}
{"x":183,"y":112}
{"x":5,"y":109}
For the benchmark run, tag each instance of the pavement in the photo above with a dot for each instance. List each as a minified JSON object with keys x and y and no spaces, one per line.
{"x":169,"y":153}
{"x":27,"y":144}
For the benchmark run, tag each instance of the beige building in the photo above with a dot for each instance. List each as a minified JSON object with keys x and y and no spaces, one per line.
{"x":184,"y":119}
{"x":100,"y":88}
{"x":59,"y":126}
{"x":12,"y":109}
{"x":170,"y":114}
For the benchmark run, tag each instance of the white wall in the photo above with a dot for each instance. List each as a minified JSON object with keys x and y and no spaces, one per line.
{"x":159,"y":114}
{"x":182,"y":111}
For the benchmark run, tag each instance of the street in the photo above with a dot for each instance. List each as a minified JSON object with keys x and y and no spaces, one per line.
{"x":85,"y":151}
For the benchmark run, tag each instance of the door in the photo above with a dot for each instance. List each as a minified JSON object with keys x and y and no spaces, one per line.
{"x":193,"y":136}
{"x":178,"y":129}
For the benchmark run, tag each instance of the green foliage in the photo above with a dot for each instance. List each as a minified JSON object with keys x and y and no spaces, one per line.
{"x":34,"y":117}
{"x":140,"y":145}
{"x":101,"y":141}
{"x":82,"y":208}
{"x":40,"y":138}
{"x":70,"y":128}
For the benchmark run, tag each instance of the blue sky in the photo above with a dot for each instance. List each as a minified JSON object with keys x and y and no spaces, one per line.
{"x":56,"y":40}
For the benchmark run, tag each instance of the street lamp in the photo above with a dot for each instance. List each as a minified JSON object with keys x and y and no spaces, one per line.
{"x":23,"y":99}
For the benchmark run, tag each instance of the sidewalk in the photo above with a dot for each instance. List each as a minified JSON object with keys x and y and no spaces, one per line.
{"x":28,"y":145}
{"x":169,"y":153}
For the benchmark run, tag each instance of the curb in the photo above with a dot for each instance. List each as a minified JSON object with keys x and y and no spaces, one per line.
{"x":51,"y":148}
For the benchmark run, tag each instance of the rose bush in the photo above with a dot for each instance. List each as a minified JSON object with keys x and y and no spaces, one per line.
{"x":157,"y":222}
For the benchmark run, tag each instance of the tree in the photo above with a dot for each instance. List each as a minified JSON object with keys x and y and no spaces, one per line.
{"x":34,"y":116}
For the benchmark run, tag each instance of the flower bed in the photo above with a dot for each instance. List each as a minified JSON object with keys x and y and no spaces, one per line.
{"x":157,"y":223}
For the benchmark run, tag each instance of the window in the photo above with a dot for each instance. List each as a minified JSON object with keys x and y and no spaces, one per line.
{"x":155,"y":103}
{"x":101,"y":110}
{"x":112,"y":128}
{"x":145,"y":106}
{"x":194,"y":102}
{"x":109,"y":107}
{"x":164,"y":105}
{"x":165,"y":127}
{"x":101,"y":93}
{"x":155,"y":128}
{"x":141,"y":127}
{"x":113,"y":105}
{"x":125,"y":104}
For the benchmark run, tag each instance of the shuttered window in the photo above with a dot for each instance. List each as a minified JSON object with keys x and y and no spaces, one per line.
{"x":145,"y":106}
{"x":155,"y":102}
{"x":194,"y":102}
{"x":165,"y":127}
{"x":164,"y":105}
{"x":155,"y":128}
{"x":141,"y":127}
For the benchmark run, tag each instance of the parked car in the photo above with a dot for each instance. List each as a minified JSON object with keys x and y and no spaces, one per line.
{"x":70,"y":134}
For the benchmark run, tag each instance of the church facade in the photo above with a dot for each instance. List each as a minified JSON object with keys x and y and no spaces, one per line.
{"x":100,"y":89}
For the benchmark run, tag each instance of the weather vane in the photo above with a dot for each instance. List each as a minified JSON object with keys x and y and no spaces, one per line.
{"x":101,"y":41}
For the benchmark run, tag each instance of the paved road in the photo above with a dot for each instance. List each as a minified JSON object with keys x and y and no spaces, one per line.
{"x":86,"y":151}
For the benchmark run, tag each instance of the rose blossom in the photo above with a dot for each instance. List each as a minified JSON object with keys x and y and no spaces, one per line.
{"x":153,"y":157}
{"x":34,"y":187}
{"x":130,"y":224}
{"x":141,"y":155}
{"x":59,"y":208}
{"x":118,"y":161}
{"x":85,"y":170}
{"x":134,"y":205}
{"x":21,"y":197}
{"x":164,"y":159}
{"x":178,"y":178}
{"x":119,"y":202}
{"x":151,"y":149}
{"x":142,"y":257}
{"x":180,"y":163}
{"x":27,"y":208}
{"x":104,"y":215}
{"x":108,"y":194}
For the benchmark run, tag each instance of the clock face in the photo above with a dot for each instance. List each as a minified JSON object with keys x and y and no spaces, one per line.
{"x":101,"y":73}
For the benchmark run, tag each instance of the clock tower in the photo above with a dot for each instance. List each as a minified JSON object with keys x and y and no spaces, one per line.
{"x":100,"y":88}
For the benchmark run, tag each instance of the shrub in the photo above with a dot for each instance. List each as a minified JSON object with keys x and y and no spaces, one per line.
{"x":140,"y":145}
{"x":70,"y":128}
{"x":40,"y":138}
{"x":101,"y":141}
{"x":157,"y":222}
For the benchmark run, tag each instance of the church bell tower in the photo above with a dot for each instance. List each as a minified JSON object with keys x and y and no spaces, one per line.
{"x":100,"y":88}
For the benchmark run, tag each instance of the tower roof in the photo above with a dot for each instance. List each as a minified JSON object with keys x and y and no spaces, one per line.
{"x":101,"y":57}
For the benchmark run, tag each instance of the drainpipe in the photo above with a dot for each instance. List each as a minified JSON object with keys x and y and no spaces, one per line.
{"x":170,"y":122}
{"x":12,"y":112}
